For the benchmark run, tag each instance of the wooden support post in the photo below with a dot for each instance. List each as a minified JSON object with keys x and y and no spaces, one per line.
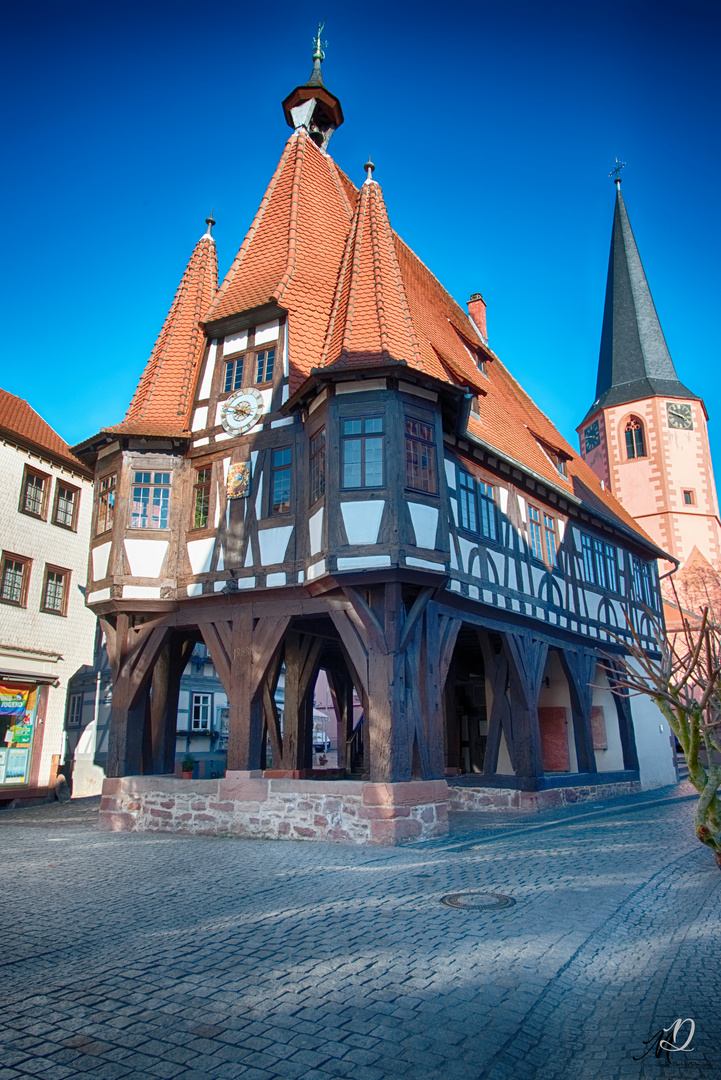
{"x":165,"y":688}
{"x":625,"y":721}
{"x":527,"y":662}
{"x":135,"y":654}
{"x":499,"y":721}
{"x":253,"y":645}
{"x":579,"y":669}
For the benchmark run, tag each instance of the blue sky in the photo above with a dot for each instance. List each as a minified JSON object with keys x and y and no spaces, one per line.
{"x":493,"y":129}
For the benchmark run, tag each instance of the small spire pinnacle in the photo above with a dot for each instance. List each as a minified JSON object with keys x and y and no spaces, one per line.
{"x":370,"y":169}
{"x":319,"y":47}
{"x":210,"y":222}
{"x":615,"y":173}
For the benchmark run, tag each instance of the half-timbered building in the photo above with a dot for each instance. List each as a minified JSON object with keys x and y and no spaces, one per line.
{"x":325,"y":466}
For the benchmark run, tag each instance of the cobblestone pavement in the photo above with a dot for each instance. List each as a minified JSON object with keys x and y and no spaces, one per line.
{"x":141,"y":956}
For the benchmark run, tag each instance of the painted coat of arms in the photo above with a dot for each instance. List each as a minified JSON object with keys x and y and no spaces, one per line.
{"x":238,"y":482}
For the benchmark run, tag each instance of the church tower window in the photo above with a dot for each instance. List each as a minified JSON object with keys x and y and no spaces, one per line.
{"x":635,"y":441}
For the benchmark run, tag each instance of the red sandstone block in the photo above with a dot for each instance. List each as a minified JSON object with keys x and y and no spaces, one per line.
{"x":134,"y":805}
{"x":243,"y":790}
{"x":112,"y":786}
{"x":284,"y":828}
{"x":320,"y":821}
{"x":300,"y":830}
{"x":108,"y":803}
{"x":224,"y":807}
{"x":160,"y":813}
{"x":204,"y":817}
{"x":168,"y":804}
{"x":334,"y":788}
{"x":339,"y":835}
{"x":394,"y":832}
{"x":383,"y":813}
{"x":116,"y":822}
{"x":412,"y":793}
{"x":183,"y":817}
{"x":199,"y":805}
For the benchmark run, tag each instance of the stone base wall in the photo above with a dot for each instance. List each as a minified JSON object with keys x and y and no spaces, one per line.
{"x":249,"y":805}
{"x":462,"y":798}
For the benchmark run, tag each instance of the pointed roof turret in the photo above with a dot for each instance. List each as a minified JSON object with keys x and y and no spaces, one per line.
{"x":634,"y":361}
{"x":371,"y":320}
{"x":312,"y":106}
{"x":162,"y":399}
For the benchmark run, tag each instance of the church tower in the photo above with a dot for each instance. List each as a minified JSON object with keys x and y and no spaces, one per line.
{"x":645,"y":435}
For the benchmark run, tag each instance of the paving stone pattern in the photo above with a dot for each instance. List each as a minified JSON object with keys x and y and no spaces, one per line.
{"x":135,"y":955}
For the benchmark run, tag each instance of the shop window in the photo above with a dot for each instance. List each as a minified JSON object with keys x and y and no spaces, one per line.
{"x":65,"y":510}
{"x":201,"y":497}
{"x":151,"y":500}
{"x":265,"y":361}
{"x":106,"y":504}
{"x":421,"y":472}
{"x":362,"y":452}
{"x":201,"y":711}
{"x":280,"y":482}
{"x":75,"y":710}
{"x":34,"y":495}
{"x":635,"y":440}
{"x":55,"y":591}
{"x":18,"y":716}
{"x":317,"y":466}
{"x":14,"y":579}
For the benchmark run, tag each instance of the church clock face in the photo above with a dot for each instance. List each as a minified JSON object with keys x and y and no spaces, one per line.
{"x":679,"y":415}
{"x":241,"y":410}
{"x":592,"y":436}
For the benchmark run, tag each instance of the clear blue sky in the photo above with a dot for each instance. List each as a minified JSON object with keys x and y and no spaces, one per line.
{"x":493,"y":128}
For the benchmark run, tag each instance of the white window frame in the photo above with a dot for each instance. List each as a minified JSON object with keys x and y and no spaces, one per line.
{"x":203,"y":701}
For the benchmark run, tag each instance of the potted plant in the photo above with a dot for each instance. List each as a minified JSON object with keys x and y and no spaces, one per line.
{"x":186,"y":767}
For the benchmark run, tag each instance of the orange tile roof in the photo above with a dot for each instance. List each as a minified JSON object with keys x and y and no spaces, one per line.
{"x":162,"y":400}
{"x":293,"y":250}
{"x":370,"y":322}
{"x":355,"y":294}
{"x":18,"y":420}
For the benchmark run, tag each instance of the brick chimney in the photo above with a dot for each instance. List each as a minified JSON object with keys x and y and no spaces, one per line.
{"x":477,"y":312}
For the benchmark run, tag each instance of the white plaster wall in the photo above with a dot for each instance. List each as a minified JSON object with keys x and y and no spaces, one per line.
{"x":611,"y":759}
{"x":653,"y":743}
{"x":73,"y":635}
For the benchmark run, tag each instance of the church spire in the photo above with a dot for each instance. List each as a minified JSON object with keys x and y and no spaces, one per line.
{"x":312,"y":106}
{"x":634,"y":361}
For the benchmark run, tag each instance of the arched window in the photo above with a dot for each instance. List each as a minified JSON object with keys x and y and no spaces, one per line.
{"x":635,"y":442}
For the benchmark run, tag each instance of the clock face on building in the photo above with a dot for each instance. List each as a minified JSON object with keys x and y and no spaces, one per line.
{"x":679,"y":415}
{"x":592,"y":436}
{"x":241,"y":410}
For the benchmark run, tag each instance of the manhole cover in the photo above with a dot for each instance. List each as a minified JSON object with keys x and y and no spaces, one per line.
{"x":478,"y":901}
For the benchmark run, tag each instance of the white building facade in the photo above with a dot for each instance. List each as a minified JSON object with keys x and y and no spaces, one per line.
{"x":46,"y":631}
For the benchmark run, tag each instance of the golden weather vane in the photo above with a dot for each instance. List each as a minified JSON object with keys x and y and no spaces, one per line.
{"x":319,"y":46}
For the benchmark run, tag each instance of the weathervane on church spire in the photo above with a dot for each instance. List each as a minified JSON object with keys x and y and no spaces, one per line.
{"x":615,"y":172}
{"x":319,"y":48}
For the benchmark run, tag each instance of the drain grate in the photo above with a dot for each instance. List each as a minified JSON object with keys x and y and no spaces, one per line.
{"x":478,"y":901}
